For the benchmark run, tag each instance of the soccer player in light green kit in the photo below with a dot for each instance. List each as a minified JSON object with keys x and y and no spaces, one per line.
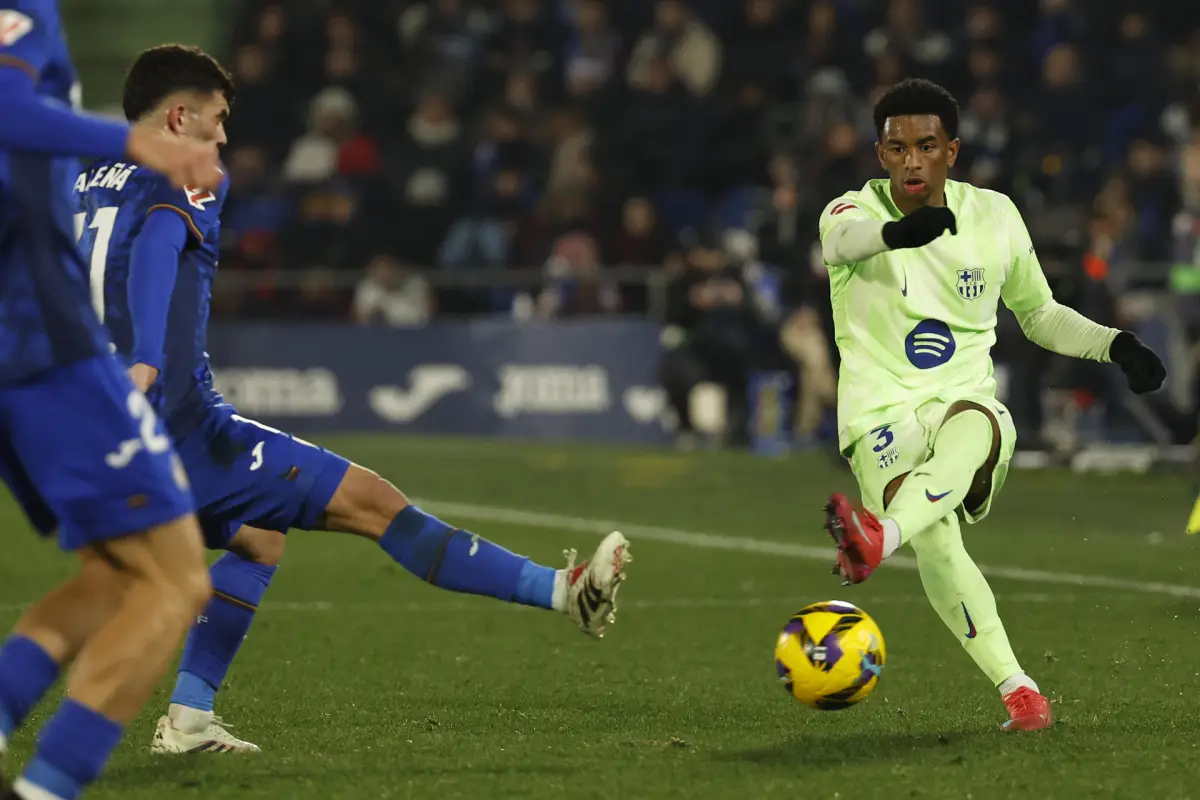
{"x":917,"y":266}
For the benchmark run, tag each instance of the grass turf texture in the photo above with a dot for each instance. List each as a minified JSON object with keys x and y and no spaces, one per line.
{"x":361,"y":682}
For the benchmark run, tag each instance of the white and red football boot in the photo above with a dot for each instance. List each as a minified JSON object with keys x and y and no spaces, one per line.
{"x":591,"y":587}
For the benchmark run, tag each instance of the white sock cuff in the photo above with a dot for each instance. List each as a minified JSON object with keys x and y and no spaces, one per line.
{"x":891,"y":536}
{"x":1010,"y":685}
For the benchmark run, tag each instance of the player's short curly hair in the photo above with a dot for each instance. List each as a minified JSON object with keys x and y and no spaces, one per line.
{"x":168,"y":68}
{"x":917,"y":96}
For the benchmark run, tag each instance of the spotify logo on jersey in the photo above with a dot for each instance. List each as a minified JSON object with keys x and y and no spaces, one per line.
{"x":930,"y":344}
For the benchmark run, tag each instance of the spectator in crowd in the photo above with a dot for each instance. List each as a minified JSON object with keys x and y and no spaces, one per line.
{"x":525,"y":36}
{"x":689,"y":47}
{"x":640,"y":240}
{"x":423,"y":171}
{"x":576,"y":286}
{"x":256,"y":210}
{"x":501,"y":195}
{"x":1154,"y":194}
{"x":760,"y":50}
{"x":265,"y":116}
{"x":654,"y":144}
{"x":804,"y":332}
{"x":332,"y":119}
{"x":712,"y":327}
{"x":905,"y":31}
{"x":441,"y":41}
{"x":389,"y":294}
{"x":593,"y":51}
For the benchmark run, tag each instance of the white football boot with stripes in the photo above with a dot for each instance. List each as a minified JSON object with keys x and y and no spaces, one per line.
{"x":589,"y":591}
{"x":188,"y":730}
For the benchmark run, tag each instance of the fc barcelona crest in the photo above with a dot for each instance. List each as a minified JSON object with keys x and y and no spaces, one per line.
{"x":971,"y":283}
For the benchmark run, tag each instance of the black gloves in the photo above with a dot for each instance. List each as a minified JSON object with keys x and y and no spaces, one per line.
{"x":919,"y":228}
{"x":1142,"y":367}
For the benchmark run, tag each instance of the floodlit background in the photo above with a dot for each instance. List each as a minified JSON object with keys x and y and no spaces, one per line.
{"x":406,"y":164}
{"x":456,"y":248}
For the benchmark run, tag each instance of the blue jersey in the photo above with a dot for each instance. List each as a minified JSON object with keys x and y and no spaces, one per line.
{"x":240,"y":472}
{"x":45,"y":317}
{"x":115,"y":199}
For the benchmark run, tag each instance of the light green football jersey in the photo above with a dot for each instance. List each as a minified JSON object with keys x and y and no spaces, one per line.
{"x":916,"y":324}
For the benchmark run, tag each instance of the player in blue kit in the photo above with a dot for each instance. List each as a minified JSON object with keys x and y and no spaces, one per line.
{"x":153,"y":254}
{"x":80,"y":448}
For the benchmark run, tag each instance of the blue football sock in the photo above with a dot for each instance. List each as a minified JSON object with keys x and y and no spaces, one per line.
{"x":238,"y":588}
{"x":26,"y":673}
{"x":460,"y":561}
{"x":72,"y":750}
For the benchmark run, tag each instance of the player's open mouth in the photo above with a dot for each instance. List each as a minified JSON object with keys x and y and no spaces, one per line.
{"x":914,"y":185}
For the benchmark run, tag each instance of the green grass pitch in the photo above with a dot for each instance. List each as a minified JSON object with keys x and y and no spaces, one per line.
{"x":361,"y":682}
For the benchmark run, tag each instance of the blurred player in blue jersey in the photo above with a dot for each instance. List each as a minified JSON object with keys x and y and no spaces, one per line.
{"x":153,"y":253}
{"x":80,"y":448}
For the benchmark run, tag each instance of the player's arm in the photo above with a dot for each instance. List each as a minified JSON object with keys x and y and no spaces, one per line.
{"x":31,"y":123}
{"x":28,"y":121}
{"x":1063,"y":330}
{"x":850,"y":234}
{"x":153,"y":266}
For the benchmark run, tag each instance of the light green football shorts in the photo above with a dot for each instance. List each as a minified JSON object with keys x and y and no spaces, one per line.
{"x":902,"y":444}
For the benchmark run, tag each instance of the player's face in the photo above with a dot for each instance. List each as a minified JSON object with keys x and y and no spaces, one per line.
{"x":917,"y":154}
{"x":205,"y":118}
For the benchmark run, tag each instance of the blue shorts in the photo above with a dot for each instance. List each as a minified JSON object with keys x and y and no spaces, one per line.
{"x":245,"y":473}
{"x":84,"y":454}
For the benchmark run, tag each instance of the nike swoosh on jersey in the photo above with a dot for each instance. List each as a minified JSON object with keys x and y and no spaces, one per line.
{"x":933,"y":498}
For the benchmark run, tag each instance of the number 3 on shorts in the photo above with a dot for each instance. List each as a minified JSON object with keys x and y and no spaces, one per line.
{"x":883,"y":438}
{"x":258,"y":457}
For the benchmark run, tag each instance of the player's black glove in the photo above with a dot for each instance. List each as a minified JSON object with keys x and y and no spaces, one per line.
{"x":1142,"y":367}
{"x":919,"y":228}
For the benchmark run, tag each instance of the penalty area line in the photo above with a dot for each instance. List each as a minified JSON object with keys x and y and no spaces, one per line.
{"x":745,"y":544}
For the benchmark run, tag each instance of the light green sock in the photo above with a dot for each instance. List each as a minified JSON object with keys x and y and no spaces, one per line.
{"x":961,"y":596}
{"x":938,"y":487}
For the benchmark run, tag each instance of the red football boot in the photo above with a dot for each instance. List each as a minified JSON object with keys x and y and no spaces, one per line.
{"x":859,"y":538}
{"x":1027,"y":711}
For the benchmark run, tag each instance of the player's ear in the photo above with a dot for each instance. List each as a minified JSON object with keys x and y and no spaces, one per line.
{"x":879,"y":155}
{"x":952,"y":151}
{"x":175,"y":118}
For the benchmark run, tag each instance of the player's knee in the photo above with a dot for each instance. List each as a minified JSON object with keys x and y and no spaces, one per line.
{"x":939,"y":540}
{"x":173,"y":569}
{"x":961,"y":406}
{"x":194,"y":589}
{"x":365,"y":504}
{"x":259,"y":546}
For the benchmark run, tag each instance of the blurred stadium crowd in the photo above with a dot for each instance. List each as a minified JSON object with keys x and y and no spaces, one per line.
{"x":436,"y":143}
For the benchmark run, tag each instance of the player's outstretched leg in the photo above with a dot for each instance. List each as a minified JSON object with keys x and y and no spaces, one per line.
{"x":239,"y":583}
{"x":1193,"y":524}
{"x":460,"y":561}
{"x":137,"y":596}
{"x":963,"y":599}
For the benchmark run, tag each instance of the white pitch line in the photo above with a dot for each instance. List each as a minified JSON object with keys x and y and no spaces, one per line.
{"x":660,"y":604}
{"x":711,"y":541}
